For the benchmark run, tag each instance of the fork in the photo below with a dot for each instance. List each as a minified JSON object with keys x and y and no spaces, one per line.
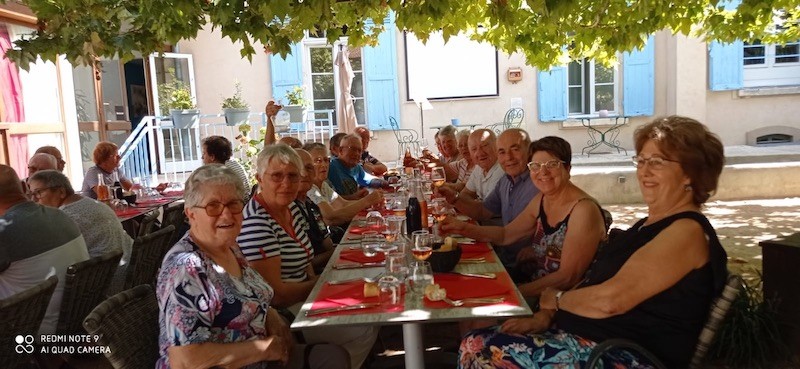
{"x":365,"y":279}
{"x":480,"y":300}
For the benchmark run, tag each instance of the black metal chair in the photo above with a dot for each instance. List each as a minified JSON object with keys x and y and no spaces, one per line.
{"x":146,"y":257}
{"x":407,"y":139}
{"x":719,"y":309}
{"x":175,"y":216}
{"x":21,"y":315}
{"x":85,"y":286}
{"x":127,"y":323}
{"x":148,"y":223}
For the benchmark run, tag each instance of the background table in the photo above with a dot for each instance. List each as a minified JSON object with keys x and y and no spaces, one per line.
{"x":607,"y":137}
{"x":415,"y":312}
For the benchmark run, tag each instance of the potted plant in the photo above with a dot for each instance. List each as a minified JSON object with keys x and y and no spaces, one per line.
{"x":236,"y":110}
{"x":176,"y":98}
{"x":297,"y":104}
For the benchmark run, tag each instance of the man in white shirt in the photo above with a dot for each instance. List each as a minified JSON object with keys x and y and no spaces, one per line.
{"x":483,"y":149}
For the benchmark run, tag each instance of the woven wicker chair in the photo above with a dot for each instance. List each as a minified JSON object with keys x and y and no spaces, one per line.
{"x":719,"y":309}
{"x":85,"y":286}
{"x":146,"y":257}
{"x":22,"y":314}
{"x":128,"y":324}
{"x":174,"y":216}
{"x":148,"y":223}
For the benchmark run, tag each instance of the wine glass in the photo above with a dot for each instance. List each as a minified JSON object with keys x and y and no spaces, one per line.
{"x":438,"y":176}
{"x":423,"y":246}
{"x":394,"y":226}
{"x":399,"y":205}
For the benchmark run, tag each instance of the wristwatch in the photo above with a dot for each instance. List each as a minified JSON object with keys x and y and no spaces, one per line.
{"x":558,"y":298}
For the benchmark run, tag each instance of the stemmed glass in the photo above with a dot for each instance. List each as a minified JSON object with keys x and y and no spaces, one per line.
{"x":423,"y":247}
{"x":438,"y":176}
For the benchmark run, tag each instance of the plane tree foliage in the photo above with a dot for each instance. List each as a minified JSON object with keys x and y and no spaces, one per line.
{"x":546,"y":32}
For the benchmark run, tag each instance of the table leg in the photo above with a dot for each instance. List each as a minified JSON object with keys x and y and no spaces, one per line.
{"x":412,"y":343}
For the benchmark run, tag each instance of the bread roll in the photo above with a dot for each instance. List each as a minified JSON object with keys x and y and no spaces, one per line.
{"x":371,"y":289}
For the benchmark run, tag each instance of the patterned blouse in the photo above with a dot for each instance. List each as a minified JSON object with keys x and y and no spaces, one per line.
{"x":199,"y":302}
{"x":548,"y":241}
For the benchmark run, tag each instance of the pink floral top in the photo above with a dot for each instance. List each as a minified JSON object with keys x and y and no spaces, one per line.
{"x":199,"y":302}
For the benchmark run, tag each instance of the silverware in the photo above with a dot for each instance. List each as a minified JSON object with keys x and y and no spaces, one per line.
{"x":365,"y":279}
{"x":476,"y":300}
{"x":357,"y":265}
{"x":478,"y":275}
{"x":480,"y":260}
{"x":341,"y":308}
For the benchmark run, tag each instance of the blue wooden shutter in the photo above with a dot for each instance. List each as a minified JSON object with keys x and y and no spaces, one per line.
{"x":286,"y":74}
{"x":638,"y":77}
{"x":726,"y":61}
{"x":380,"y":74}
{"x":553,"y":94}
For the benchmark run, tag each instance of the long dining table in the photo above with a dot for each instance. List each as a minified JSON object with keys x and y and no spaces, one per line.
{"x":415,"y":310}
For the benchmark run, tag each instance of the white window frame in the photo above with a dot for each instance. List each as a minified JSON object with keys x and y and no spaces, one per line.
{"x":592,"y":111}
{"x":770,"y":72}
{"x":315,"y":42}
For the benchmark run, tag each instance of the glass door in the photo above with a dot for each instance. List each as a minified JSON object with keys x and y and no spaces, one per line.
{"x":178,"y":149}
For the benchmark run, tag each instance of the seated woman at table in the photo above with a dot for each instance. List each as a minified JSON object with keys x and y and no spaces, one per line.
{"x":274,"y":239}
{"x":318,"y":233}
{"x":464,"y":165}
{"x":565,"y":224}
{"x":217,"y":149}
{"x":106,"y":159}
{"x":213,"y":307}
{"x":336,"y":210}
{"x":652,"y":284}
{"x":99,"y":225}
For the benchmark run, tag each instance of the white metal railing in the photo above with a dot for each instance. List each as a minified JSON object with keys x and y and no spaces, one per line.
{"x":156,"y":151}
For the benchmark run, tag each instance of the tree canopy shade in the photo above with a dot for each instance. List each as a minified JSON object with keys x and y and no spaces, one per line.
{"x":545,"y":31}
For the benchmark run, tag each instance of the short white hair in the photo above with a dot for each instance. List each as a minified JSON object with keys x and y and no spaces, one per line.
{"x":210,"y":174}
{"x":282,"y":153}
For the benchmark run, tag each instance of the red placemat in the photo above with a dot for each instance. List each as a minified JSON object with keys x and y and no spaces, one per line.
{"x":128,"y":212}
{"x":477,"y":250}
{"x":360,"y":230}
{"x":173,"y":193}
{"x":383,"y":211}
{"x":345,"y":295}
{"x":463,"y":287}
{"x":359,"y":257}
{"x":153,"y":202}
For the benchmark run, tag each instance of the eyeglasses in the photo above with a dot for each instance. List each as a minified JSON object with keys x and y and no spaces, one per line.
{"x":353,"y":148}
{"x":655,"y":162}
{"x":324,"y":159}
{"x":215,"y":208}
{"x":37,"y":193}
{"x":550,"y":164}
{"x":279,"y":177}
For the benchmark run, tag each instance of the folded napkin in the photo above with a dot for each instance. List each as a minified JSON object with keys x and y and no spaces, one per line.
{"x":477,"y":250}
{"x":462,"y":287}
{"x":347,"y":294}
{"x":360,"y":230}
{"x":359,"y":257}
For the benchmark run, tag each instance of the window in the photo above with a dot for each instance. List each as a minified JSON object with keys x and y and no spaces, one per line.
{"x":324,"y":84}
{"x":591,"y":87}
{"x":771,"y":64}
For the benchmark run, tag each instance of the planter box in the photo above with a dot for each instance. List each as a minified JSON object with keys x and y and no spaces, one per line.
{"x":297,"y":113}
{"x":235,"y":116}
{"x":183,"y":119}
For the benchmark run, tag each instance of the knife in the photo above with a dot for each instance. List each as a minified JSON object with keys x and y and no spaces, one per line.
{"x":341,"y":308}
{"x":478,"y":275}
{"x":357,"y":265}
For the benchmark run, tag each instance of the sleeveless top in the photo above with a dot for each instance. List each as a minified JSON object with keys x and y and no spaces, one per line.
{"x":549,"y":241}
{"x":669,"y":323}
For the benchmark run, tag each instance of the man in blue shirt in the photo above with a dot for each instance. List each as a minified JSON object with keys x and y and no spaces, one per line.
{"x":346,"y":174}
{"x":513,"y":192}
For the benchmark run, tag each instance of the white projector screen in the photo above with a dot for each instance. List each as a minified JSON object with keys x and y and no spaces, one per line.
{"x":458,"y":69}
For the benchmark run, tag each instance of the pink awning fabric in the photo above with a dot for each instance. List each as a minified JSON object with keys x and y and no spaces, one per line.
{"x":13,"y":110}
{"x":345,"y":110}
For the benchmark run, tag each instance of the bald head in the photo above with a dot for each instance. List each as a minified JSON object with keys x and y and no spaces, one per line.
{"x":52,"y":150}
{"x":483,"y":148}
{"x":42,"y":161}
{"x":512,"y":151}
{"x":290,"y":141}
{"x":10,"y":188}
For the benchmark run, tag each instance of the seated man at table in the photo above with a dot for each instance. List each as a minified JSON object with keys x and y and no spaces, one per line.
{"x":370,"y":163}
{"x":346,"y":173}
{"x":35,"y":242}
{"x":335,"y":141}
{"x":447,"y":144}
{"x":510,"y":196}
{"x":317,"y":230}
{"x":37,"y":162}
{"x":292,"y":142}
{"x":218,"y":149}
{"x":52,"y":150}
{"x":463,"y":166}
{"x":483,"y":149}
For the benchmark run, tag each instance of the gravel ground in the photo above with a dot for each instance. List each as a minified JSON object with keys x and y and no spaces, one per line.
{"x":740,"y":225}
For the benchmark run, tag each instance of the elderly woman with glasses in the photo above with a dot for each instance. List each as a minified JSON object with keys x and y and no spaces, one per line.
{"x":106,"y":159}
{"x":565,"y":224}
{"x":99,"y":225}
{"x":214,"y":309}
{"x":652,"y":284}
{"x":275,"y":240}
{"x":336,"y":210}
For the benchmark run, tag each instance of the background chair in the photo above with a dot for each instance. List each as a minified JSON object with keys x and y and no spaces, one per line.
{"x":146,"y":257}
{"x":22,"y":314}
{"x":128,"y":324}
{"x":512,"y":119}
{"x":175,"y":216}
{"x":85,"y":286}
{"x":407,"y":139}
{"x":719,"y":309}
{"x":148,"y":223}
